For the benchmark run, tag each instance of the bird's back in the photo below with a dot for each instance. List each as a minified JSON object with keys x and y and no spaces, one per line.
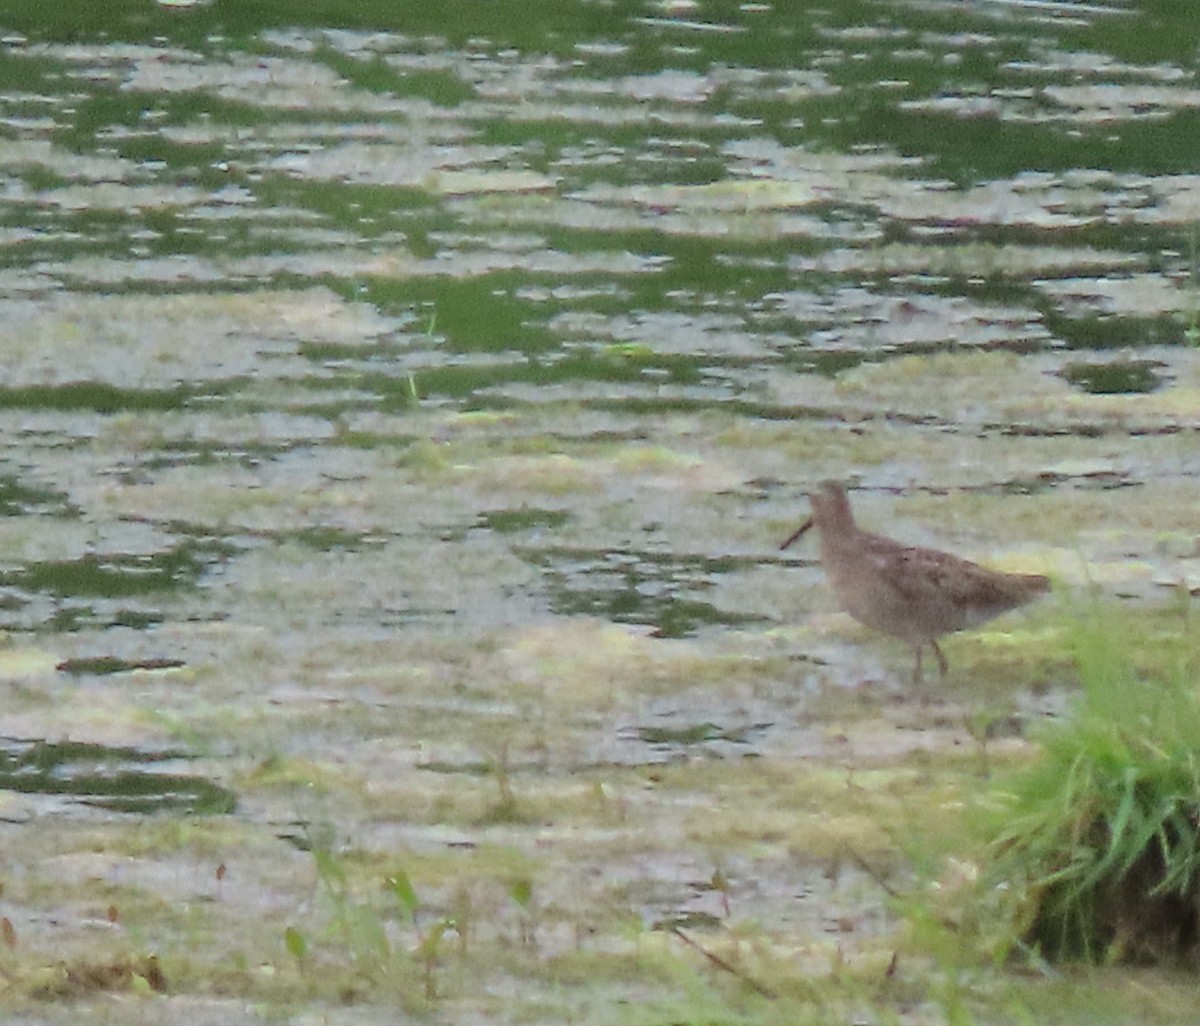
{"x":915,"y":593}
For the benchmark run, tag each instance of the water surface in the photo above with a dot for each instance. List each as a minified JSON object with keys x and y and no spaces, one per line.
{"x":393,"y":395}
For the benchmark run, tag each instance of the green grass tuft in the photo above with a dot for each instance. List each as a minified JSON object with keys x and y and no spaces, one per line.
{"x":1099,"y":851}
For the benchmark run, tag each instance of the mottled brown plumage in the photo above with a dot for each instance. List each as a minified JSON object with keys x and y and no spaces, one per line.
{"x":912,"y":593}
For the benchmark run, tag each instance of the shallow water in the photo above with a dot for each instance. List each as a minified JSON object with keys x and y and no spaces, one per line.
{"x":437,"y":395}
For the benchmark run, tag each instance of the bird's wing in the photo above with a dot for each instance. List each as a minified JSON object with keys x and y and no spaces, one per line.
{"x":927,"y":577}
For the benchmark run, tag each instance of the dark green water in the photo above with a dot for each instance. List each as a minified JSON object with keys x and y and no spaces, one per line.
{"x":486,"y":320}
{"x":401,"y":409}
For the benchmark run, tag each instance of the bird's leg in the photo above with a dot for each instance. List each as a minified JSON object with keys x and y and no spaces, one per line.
{"x":940,"y":658}
{"x":916,"y":677}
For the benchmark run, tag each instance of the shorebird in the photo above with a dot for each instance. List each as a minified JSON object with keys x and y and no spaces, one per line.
{"x":915,"y":594}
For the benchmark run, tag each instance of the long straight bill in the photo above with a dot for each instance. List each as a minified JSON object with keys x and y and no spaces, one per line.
{"x":795,"y":537}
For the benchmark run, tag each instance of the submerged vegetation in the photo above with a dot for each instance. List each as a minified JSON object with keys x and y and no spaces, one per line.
{"x":400,"y":419}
